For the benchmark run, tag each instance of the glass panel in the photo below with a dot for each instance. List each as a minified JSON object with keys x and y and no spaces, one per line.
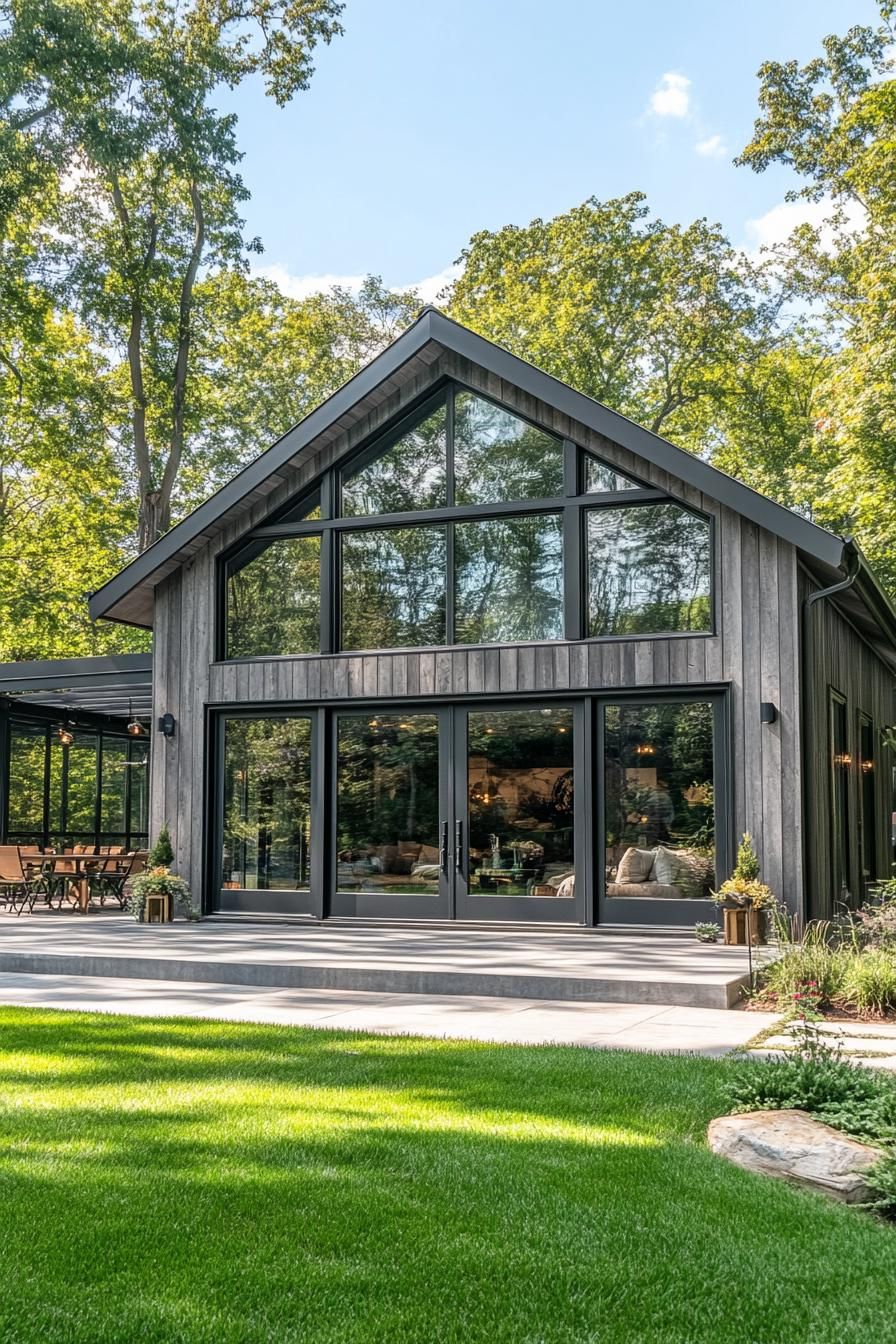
{"x":80,"y":809}
{"x":387,"y":804}
{"x":520,"y":801}
{"x":509,"y":580}
{"x":114,"y":784}
{"x":27,"y":758}
{"x":306,"y":511}
{"x":659,"y":790}
{"x":499,"y":457}
{"x":601,"y":478}
{"x":273,"y":601}
{"x":409,"y":475}
{"x":138,"y":779}
{"x":393,"y":588}
{"x":867,"y":766}
{"x":649,"y":571}
{"x":267,"y":804}
{"x":841,"y":762}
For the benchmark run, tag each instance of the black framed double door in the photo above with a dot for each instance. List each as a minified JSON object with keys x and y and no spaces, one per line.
{"x":463,"y":812}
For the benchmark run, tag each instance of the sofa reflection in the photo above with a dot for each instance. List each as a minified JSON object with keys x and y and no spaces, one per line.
{"x":659,"y":873}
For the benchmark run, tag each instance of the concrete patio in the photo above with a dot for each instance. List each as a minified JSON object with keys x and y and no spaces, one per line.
{"x":704,"y":1031}
{"x":519,"y":963}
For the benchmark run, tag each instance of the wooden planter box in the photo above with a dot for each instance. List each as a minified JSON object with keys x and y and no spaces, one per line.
{"x":742,"y":926}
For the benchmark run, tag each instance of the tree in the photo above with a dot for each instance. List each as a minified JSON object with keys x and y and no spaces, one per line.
{"x":116,"y":96}
{"x":832,"y":122}
{"x":648,"y":318}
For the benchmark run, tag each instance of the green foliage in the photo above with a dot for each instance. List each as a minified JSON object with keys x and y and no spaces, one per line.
{"x":158,"y":883}
{"x":747,"y":865}
{"x":870,"y":981}
{"x":162,"y":853}
{"x":707,"y":932}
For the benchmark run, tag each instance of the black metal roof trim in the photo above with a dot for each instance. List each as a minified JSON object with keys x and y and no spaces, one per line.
{"x":432,"y":325}
{"x":118,"y":669}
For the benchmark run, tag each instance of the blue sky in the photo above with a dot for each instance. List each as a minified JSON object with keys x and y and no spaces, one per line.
{"x":427,"y":122}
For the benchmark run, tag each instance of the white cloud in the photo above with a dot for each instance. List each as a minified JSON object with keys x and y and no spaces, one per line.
{"x":671,"y":97}
{"x":777,"y":224}
{"x":302,"y":286}
{"x":431,"y":287}
{"x":713,"y":147}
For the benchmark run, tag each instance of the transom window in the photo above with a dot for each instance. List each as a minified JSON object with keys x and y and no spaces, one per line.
{"x":467,"y":524}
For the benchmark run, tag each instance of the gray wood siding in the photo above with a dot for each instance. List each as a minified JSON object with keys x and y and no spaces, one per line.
{"x":840,"y":659}
{"x":754,"y":649}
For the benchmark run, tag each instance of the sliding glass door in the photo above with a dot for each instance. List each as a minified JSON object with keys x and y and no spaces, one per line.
{"x":391,"y":814}
{"x":515,"y":842}
{"x":595,"y":810}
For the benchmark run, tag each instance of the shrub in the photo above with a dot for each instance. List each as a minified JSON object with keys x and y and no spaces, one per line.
{"x":870,"y":981}
{"x":707,"y":932}
{"x":876,"y":923}
{"x":162,"y":853}
{"x":814,"y":960}
{"x":158,"y":881}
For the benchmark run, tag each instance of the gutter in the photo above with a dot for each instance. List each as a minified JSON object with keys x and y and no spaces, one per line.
{"x":852,"y":562}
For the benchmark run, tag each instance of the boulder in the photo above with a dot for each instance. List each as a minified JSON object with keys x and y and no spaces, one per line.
{"x":798,"y":1148}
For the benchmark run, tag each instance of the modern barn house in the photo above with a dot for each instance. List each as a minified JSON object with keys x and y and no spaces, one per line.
{"x":467,"y":645}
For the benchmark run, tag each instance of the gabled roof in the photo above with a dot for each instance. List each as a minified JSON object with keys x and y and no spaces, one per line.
{"x":128,"y":596}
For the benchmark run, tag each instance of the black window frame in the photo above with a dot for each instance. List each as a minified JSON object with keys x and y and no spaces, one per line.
{"x":574,"y":505}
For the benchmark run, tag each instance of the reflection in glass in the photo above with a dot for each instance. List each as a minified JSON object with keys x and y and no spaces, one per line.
{"x":138,"y":781}
{"x":114,"y":787}
{"x":499,"y":457}
{"x":600,"y":478}
{"x":869,"y":799}
{"x":267,"y":804}
{"x":520,"y":800}
{"x":409,"y":475}
{"x":387,"y":803}
{"x":393,"y":587}
{"x":659,"y":790}
{"x":509,"y":579}
{"x":273,"y":600}
{"x":649,"y":570}
{"x":81,"y":784}
{"x":27,"y":759}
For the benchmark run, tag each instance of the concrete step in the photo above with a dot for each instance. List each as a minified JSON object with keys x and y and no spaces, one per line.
{"x":574,"y":966}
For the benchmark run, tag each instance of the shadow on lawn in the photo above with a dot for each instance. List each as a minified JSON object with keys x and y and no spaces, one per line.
{"x":568,"y":1084}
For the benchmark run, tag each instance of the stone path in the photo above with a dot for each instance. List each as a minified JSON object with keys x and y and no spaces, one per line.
{"x":870,"y":1043}
{"x":704,"y":1031}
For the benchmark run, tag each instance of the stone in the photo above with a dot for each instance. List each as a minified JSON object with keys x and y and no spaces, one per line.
{"x":794,"y":1146}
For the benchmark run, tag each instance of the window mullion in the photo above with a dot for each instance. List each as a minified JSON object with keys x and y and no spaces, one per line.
{"x":329,"y":591}
{"x":449,"y":584}
{"x":449,"y":447}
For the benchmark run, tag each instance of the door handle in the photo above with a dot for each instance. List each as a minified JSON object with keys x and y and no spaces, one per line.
{"x":458,"y":846}
{"x":443,"y":850}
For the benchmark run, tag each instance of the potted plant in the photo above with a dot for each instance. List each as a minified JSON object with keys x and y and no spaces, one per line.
{"x":744,"y":890}
{"x":159,"y":880}
{"x":707,"y":932}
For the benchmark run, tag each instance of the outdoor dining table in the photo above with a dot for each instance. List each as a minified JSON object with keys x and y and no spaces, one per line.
{"x":76,"y":867}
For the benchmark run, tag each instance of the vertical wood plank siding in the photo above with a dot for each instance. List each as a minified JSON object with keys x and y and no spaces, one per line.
{"x":841,"y":660}
{"x":754,"y":648}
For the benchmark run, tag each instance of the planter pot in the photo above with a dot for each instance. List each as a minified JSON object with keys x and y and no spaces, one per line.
{"x":743,"y":926}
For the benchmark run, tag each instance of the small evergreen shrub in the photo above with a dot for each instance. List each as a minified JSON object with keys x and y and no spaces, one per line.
{"x":162,"y":853}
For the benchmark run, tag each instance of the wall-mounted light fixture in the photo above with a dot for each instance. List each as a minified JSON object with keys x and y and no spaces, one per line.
{"x":768,"y":713}
{"x":867,"y":767}
{"x":167,"y":725}
{"x":843,"y":759}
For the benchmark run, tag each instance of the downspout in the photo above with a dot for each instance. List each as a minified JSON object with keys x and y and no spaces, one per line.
{"x":852,"y":563}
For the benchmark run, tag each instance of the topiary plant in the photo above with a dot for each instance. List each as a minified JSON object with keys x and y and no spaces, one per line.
{"x":162,"y":853}
{"x":747,"y":866}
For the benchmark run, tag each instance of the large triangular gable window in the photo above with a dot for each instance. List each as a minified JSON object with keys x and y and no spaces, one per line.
{"x":461,"y":449}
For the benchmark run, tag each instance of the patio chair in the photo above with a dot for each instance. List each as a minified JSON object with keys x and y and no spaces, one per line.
{"x":18,"y":887}
{"x":110,"y":878}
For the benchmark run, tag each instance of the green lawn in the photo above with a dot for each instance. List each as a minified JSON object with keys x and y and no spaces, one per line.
{"x":181,"y":1180}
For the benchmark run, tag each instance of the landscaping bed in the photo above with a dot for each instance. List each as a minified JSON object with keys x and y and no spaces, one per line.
{"x":197,"y":1181}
